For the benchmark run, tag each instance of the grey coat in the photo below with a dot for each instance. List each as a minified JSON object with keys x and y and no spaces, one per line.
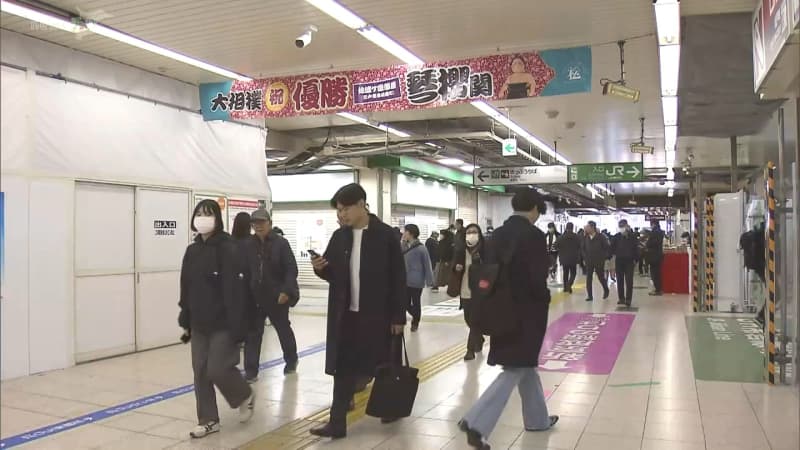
{"x":419,"y":272}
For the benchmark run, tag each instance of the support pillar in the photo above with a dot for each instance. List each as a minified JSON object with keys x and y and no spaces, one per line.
{"x":734,"y":165}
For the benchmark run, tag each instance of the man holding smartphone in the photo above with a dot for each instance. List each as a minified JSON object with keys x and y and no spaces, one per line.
{"x":366,"y":301}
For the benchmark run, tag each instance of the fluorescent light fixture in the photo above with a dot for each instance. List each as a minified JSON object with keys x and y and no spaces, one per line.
{"x":431,"y":144}
{"x":671,"y":193}
{"x":670,"y":137}
{"x":621,"y":91}
{"x":383,"y":41}
{"x":335,"y":167}
{"x":41,"y":17}
{"x":670,"y":174}
{"x":386,"y":128}
{"x":490,"y":111}
{"x":595,"y":192}
{"x":337,"y":11}
{"x":668,"y":22}
{"x":670,"y":185}
{"x":669,"y":62}
{"x":111,"y":33}
{"x":468,"y":168}
{"x":451,"y":162}
{"x":669,"y":106}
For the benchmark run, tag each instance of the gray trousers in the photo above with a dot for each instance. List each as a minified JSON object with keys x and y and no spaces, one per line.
{"x":214,"y":360}
{"x":485,"y":413}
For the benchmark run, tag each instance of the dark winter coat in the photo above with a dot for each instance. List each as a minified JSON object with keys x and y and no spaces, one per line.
{"x":272,"y":270}
{"x":528,"y":272}
{"x":625,"y":247}
{"x":212,"y":287}
{"x":433,"y":250}
{"x":382,"y":299}
{"x":655,"y":246}
{"x":569,"y":248}
{"x":596,"y":250}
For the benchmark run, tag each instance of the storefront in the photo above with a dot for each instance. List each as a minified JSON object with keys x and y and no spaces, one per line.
{"x":301,"y":208}
{"x":426,"y":203}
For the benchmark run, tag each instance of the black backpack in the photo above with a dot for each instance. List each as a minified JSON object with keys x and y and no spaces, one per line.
{"x":490,"y":283}
{"x":753,"y":247}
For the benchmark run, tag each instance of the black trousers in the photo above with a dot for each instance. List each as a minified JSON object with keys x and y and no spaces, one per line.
{"x":415,"y":303}
{"x":279,"y":317}
{"x":349,"y":370}
{"x":655,"y":275}
{"x":625,"y":280}
{"x":642,"y":266}
{"x":553,"y":263}
{"x":600,"y":270}
{"x":569,"y":271}
{"x":475,"y":340}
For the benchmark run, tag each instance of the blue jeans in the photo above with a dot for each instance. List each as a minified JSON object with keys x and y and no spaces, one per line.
{"x":485,"y":413}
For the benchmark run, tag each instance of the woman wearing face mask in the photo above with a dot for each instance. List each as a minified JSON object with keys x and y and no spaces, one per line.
{"x":213,"y":305}
{"x":467,"y":252}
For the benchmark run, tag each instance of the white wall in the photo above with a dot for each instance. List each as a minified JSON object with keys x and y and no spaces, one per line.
{"x":484,"y":209}
{"x":14,"y":283}
{"x":500,"y":209}
{"x":417,"y":191}
{"x":311,"y":187}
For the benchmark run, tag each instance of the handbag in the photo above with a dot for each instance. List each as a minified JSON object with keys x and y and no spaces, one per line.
{"x":495,"y":312}
{"x":454,"y":285}
{"x":394,"y":389}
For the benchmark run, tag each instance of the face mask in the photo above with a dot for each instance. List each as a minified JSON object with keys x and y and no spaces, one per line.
{"x":204,"y":224}
{"x":472,"y":240}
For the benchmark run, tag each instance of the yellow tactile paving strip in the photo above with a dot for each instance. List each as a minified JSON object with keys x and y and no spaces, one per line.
{"x":295,"y":435}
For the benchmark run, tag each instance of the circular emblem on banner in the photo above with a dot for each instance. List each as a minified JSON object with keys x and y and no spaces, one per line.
{"x":221,"y":202}
{"x":277,"y":96}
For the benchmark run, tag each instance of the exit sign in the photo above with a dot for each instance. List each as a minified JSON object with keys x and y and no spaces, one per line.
{"x":606,"y":173}
{"x":509,"y":147}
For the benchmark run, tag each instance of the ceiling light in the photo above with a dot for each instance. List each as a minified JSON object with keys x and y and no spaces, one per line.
{"x":136,"y":42}
{"x":37,"y":16}
{"x":386,"y":128}
{"x":607,"y":190}
{"x":670,"y":137}
{"x":335,"y":167}
{"x":670,"y":174}
{"x":339,"y":12}
{"x":668,"y":22}
{"x":669,"y":62}
{"x":383,"y":41}
{"x":451,"y":162}
{"x":671,"y":193}
{"x":669,"y":106}
{"x":490,"y":111}
{"x":431,"y":144}
{"x":670,"y":185}
{"x":468,"y":168}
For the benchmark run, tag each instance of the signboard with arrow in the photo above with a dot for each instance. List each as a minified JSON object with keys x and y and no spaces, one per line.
{"x":606,"y":172}
{"x":509,"y":147}
{"x":504,"y":176}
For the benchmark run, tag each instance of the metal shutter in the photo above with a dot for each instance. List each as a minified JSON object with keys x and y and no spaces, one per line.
{"x":467,"y":205}
{"x":295,"y":220}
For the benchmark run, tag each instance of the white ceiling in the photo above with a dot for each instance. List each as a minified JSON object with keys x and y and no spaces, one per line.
{"x":256,"y":37}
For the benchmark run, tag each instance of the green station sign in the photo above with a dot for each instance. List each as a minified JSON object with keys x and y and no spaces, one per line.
{"x":606,"y":172}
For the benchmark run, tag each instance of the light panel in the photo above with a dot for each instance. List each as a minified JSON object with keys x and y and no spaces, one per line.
{"x":450,"y":161}
{"x":490,"y":111}
{"x":669,"y":106}
{"x":339,"y":12}
{"x":668,"y":22}
{"x":383,"y":41}
{"x":669,"y":64}
{"x":111,"y":33}
{"x":41,"y":17}
{"x":364,"y":121}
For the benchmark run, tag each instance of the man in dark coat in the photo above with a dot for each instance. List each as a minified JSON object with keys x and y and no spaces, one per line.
{"x":625,"y":248}
{"x":569,"y":250}
{"x":655,"y":256}
{"x":367,"y":300}
{"x":596,"y":250}
{"x":518,"y":351}
{"x":432,"y":244}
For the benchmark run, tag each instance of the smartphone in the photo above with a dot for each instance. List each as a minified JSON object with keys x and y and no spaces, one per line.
{"x":313,"y":254}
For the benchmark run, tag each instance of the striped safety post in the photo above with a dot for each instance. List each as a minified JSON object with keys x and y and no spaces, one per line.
{"x":709,"y":254}
{"x":695,"y":259}
{"x":771,"y":285}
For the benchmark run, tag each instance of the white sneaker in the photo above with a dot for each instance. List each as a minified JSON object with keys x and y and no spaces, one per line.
{"x":248,"y":407}
{"x":202,"y":431}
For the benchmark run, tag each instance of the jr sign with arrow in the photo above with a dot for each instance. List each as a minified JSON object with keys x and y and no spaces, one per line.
{"x":606,"y":172}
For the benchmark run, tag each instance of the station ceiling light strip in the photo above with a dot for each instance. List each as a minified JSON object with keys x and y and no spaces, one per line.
{"x":62,"y":23}
{"x":490,"y":111}
{"x":362,"y":120}
{"x":668,"y":25}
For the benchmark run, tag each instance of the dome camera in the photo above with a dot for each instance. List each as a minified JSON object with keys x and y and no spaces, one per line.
{"x":304,"y":39}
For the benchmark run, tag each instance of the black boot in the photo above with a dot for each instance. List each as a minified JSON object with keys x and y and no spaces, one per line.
{"x":330,"y":430}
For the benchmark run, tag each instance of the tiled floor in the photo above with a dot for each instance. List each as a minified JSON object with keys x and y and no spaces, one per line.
{"x":649,"y":401}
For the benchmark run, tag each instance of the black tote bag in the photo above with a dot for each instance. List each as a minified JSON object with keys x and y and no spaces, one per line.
{"x":395,"y":388}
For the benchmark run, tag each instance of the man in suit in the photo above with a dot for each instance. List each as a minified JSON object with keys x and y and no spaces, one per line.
{"x":596,"y":250}
{"x":367,"y":300}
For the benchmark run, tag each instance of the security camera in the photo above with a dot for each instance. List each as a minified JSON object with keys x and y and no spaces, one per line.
{"x":304,"y":39}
